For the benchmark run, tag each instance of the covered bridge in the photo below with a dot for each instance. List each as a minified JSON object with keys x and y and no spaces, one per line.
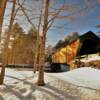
{"x":88,"y":43}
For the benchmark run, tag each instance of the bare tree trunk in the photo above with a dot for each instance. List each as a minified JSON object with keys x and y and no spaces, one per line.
{"x":42,"y":45}
{"x":3,"y":4}
{"x":5,"y":54}
{"x":2,"y":11}
{"x":37,"y":41}
{"x":36,"y":55}
{"x":9,"y":31}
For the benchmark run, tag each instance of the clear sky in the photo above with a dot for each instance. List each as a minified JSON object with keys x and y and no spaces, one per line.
{"x":84,"y":15}
{"x":81,"y":22}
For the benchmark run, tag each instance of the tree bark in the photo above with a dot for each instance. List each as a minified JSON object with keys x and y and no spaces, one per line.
{"x":2,"y":11}
{"x":42,"y":45}
{"x":3,"y":4}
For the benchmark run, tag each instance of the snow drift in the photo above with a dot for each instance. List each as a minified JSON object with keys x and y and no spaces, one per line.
{"x":84,"y":77}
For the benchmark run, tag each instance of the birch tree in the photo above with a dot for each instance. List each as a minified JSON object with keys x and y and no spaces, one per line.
{"x":42,"y":44}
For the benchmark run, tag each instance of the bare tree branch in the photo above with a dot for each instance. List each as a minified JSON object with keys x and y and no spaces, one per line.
{"x":51,"y":21}
{"x":28,"y":19}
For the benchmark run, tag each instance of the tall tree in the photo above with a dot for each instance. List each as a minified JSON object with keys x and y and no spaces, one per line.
{"x":42,"y":45}
{"x":3,"y":4}
{"x":5,"y":56}
{"x":37,"y":41}
{"x":47,"y":23}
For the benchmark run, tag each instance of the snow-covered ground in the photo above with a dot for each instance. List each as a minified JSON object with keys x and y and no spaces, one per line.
{"x":78,"y":84}
{"x":86,"y":77}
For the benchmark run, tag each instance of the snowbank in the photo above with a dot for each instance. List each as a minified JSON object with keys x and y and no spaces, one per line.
{"x":84,"y":77}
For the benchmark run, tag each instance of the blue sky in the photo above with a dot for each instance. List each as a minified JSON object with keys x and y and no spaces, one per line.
{"x":83,"y":22}
{"x":84,"y":16}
